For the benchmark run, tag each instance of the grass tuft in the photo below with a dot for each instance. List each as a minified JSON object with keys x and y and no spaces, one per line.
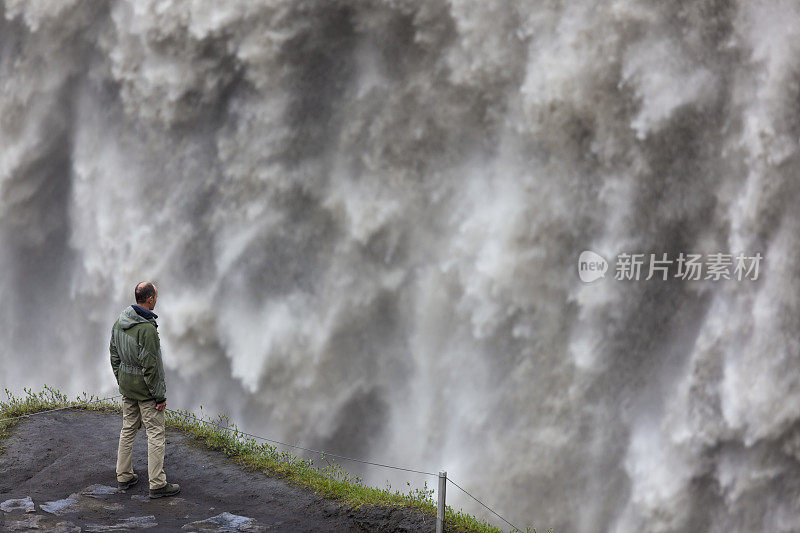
{"x":330,"y":480}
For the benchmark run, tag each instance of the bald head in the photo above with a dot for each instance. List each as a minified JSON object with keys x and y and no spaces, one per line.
{"x":146,"y":294}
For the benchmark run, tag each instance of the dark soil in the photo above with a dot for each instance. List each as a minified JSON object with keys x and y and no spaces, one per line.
{"x":55,"y":456}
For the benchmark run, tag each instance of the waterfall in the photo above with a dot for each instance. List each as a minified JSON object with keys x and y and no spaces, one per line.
{"x":365,"y":218}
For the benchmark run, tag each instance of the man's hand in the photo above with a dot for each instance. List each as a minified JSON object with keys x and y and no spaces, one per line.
{"x":161,"y":406}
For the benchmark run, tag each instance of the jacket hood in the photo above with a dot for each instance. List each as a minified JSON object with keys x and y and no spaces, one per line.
{"x":129,"y":318}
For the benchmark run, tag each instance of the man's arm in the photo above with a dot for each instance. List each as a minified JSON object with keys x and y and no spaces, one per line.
{"x":114,"y":357}
{"x":152,"y":366}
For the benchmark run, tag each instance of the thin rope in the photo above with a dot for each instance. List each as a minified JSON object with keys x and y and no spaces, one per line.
{"x":61,"y":408}
{"x":321,"y":453}
{"x":486,"y":506}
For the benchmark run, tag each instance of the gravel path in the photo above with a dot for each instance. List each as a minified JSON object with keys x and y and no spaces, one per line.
{"x":64,"y":462}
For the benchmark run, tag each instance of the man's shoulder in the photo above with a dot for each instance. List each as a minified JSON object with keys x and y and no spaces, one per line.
{"x":148,"y":330}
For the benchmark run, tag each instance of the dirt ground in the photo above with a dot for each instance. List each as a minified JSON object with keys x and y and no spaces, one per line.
{"x":65,"y":461}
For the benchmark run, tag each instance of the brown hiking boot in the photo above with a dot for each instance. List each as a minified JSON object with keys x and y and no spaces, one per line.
{"x":128,"y":484}
{"x":170,"y":489}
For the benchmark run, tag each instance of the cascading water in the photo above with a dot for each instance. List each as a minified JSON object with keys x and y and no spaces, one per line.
{"x":364,"y":220}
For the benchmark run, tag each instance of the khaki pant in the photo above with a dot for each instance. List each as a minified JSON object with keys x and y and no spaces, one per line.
{"x":134,"y":414}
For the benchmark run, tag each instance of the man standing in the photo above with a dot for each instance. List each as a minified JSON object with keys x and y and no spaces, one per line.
{"x":136,"y":361}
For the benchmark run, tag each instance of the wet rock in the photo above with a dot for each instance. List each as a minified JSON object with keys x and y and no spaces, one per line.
{"x":225,"y":522}
{"x":42,"y":523}
{"x":21,"y":504}
{"x":100,"y":492}
{"x":59,"y":507}
{"x":133,"y":522}
{"x":140,"y":498}
{"x":78,"y":502}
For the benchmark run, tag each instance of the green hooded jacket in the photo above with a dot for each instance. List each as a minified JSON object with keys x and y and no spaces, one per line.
{"x":136,"y":357}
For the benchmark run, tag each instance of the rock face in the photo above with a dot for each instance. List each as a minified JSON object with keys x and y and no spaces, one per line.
{"x":225,"y":522}
{"x":59,"y":507}
{"x":52,"y":492}
{"x":24,"y":504}
{"x":90,"y":498}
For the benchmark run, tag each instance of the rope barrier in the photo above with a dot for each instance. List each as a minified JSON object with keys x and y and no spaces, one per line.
{"x":61,"y":408}
{"x":480,"y":502}
{"x":320,"y":452}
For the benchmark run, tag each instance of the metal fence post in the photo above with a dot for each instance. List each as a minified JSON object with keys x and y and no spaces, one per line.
{"x":440,"y":510}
